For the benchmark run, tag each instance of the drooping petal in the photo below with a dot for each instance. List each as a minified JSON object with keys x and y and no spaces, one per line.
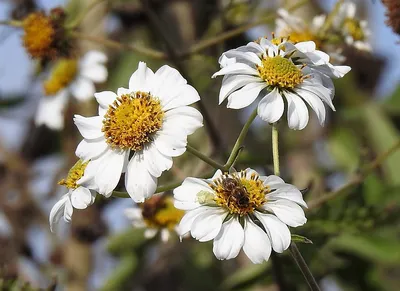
{"x":270,"y":108}
{"x":229,"y":241}
{"x":314,"y":102}
{"x":245,"y":96}
{"x":139,"y":183}
{"x":90,"y":149}
{"x":257,"y":245}
{"x":156,"y":161}
{"x":187,"y":220}
{"x":57,"y":211}
{"x":287,"y":211}
{"x":81,"y":198}
{"x":236,"y":68}
{"x":230,"y":83}
{"x":207,"y":224}
{"x":297,"y":111}
{"x":277,"y":231}
{"x":89,"y":127}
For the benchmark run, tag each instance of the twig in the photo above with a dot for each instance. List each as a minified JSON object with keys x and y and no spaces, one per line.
{"x":204,"y":158}
{"x":355,"y":180}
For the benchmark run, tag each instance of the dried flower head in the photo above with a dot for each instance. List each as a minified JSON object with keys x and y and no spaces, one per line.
{"x":393,"y":14}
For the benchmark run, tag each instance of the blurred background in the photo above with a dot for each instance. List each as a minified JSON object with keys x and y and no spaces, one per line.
{"x":356,"y":234}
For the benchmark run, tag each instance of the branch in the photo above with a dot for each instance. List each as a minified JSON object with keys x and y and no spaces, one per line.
{"x":355,"y":180}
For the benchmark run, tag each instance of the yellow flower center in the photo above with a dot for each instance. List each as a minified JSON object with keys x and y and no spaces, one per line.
{"x":39,"y":35}
{"x":238,"y":194}
{"x":354,"y":29}
{"x":74,"y":174}
{"x":280,"y":72}
{"x":64,"y":72}
{"x":159,"y":212}
{"x":131,"y":120}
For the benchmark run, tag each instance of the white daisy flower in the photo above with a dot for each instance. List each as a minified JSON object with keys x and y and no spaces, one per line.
{"x":276,"y":69}
{"x":70,"y":76}
{"x":356,"y":32}
{"x":157,"y":215}
{"x":240,"y":210}
{"x":138,"y":131}
{"x":78,"y":197}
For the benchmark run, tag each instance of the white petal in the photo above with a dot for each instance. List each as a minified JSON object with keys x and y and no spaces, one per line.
{"x":257,"y":245}
{"x":270,"y":108}
{"x":165,"y":77}
{"x":287,"y":211}
{"x":93,"y":57}
{"x":246,"y":57}
{"x":81,"y":198}
{"x":231,"y":83}
{"x":165,"y":234}
{"x":314,"y":102}
{"x":169,"y":145}
{"x":297,"y":111}
{"x":207,"y":224}
{"x":185,"y":118}
{"x":134,"y":213}
{"x":245,"y":96}
{"x":286,"y":191}
{"x":156,"y":161}
{"x":91,"y":149}
{"x":319,"y":91}
{"x":139,"y":183}
{"x":109,"y":171}
{"x":187,"y":220}
{"x":306,"y":46}
{"x":89,"y":127}
{"x":50,"y":111}
{"x":272,"y":180}
{"x":105,"y":98}
{"x":229,"y":241}
{"x":176,"y":96}
{"x":95,"y":73}
{"x":123,"y":91}
{"x":82,"y":88}
{"x":186,"y":195}
{"x":57,"y":211}
{"x":277,"y":231}
{"x":236,"y":68}
{"x":141,"y":79}
{"x":68,"y":210}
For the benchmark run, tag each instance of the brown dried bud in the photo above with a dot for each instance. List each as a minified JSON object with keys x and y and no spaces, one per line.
{"x":393,"y":14}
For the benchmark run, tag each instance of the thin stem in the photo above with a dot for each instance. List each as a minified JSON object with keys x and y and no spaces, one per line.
{"x":145,"y":51}
{"x":77,"y":21}
{"x":238,"y":144}
{"x":355,"y":180}
{"x":11,"y":22}
{"x":162,"y":188}
{"x":329,"y":20}
{"x":298,"y":258}
{"x":204,"y":158}
{"x":293,"y":248}
{"x":275,"y":149}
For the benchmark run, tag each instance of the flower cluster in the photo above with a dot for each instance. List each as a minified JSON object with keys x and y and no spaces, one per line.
{"x":138,"y":131}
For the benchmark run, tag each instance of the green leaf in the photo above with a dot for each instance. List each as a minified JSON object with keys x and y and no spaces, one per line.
{"x":123,"y":274}
{"x":129,"y":240}
{"x":344,"y":146}
{"x":245,"y":277}
{"x":301,"y":239}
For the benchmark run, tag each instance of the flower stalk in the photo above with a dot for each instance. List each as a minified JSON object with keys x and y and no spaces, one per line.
{"x":294,"y":251}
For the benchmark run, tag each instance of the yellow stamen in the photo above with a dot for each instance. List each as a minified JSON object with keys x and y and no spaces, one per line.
{"x":64,"y":72}
{"x":159,"y":212}
{"x":239,"y":194}
{"x":39,"y":35}
{"x":74,"y":174}
{"x":280,"y":72}
{"x":131,"y":120}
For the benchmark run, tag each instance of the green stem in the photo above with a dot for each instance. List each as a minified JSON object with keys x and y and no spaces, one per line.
{"x":298,"y":258}
{"x":329,"y":20}
{"x":77,"y":21}
{"x":204,"y":158}
{"x":238,"y":144}
{"x":303,"y":267}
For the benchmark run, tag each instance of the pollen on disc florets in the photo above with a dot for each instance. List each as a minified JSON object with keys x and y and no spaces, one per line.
{"x":63,"y":73}
{"x":131,"y":120}
{"x":159,"y":212}
{"x":280,"y":72}
{"x":74,"y":174}
{"x":39,"y":35}
{"x":239,"y":194}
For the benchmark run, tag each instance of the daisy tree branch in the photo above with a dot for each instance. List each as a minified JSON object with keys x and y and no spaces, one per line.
{"x":294,"y":251}
{"x":78,"y":19}
{"x":355,"y":180}
{"x":207,"y":43}
{"x":177,"y":61}
{"x":11,"y":22}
